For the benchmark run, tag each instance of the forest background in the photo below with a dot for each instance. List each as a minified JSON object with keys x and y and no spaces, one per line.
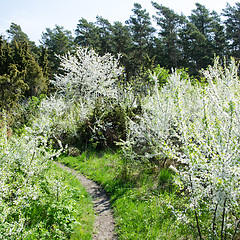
{"x":176,"y":41}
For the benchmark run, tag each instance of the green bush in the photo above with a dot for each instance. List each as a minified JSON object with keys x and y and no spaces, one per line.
{"x":105,"y":126}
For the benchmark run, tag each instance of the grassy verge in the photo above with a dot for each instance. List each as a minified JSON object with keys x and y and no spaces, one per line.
{"x":82,"y":208}
{"x":141,"y":199}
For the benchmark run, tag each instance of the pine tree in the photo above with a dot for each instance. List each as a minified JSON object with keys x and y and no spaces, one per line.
{"x":87,"y":35}
{"x":105,"y":35}
{"x":58,"y":41}
{"x":141,"y":32}
{"x":121,"y":38}
{"x":232,"y":24}
{"x":170,"y":23}
{"x":193,"y":44}
{"x":202,"y":37}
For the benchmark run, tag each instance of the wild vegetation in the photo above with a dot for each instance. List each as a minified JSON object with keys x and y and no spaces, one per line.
{"x":164,"y":143}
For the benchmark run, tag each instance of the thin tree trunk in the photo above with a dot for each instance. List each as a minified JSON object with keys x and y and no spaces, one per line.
{"x":198,"y":226}
{"x":223,"y":218}
{"x":214,"y":222}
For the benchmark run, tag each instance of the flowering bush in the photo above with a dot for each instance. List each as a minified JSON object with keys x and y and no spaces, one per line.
{"x":31,"y":202}
{"x":87,"y":79}
{"x":88,"y":75}
{"x":198,"y":127}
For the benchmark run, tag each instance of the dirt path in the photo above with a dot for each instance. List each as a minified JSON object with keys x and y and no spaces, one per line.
{"x":104,"y":222}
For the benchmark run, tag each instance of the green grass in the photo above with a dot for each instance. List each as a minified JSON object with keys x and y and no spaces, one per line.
{"x":83,"y":207}
{"x":141,"y":199}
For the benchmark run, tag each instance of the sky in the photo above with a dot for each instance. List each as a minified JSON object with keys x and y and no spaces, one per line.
{"x":34,"y":16}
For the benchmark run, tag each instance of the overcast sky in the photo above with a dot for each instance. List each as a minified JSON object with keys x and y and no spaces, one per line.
{"x":34,"y":16}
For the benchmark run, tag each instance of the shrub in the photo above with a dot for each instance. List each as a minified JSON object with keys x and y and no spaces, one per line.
{"x":198,"y":127}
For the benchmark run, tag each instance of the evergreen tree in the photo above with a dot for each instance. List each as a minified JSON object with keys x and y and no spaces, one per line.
{"x":57,"y":41}
{"x":20,"y":73}
{"x":170,"y":24}
{"x":141,"y":32}
{"x":122,"y":43}
{"x":12,"y":87}
{"x":5,"y":56}
{"x":29,"y":68}
{"x":193,"y":44}
{"x":16,"y":34}
{"x":43,"y":61}
{"x":87,"y":35}
{"x":202,"y":37}
{"x":105,"y":35}
{"x":121,"y":38}
{"x":232,"y":24}
{"x":219,"y":36}
{"x":202,"y":19}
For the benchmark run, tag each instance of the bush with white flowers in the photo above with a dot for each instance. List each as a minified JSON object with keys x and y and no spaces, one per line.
{"x":30,"y":205}
{"x":198,"y":127}
{"x":88,"y":75}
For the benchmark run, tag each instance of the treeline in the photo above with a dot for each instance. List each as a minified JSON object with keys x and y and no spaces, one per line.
{"x":178,"y":41}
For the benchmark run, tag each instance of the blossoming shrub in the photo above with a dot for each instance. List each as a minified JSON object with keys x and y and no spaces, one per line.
{"x":88,"y":75}
{"x":198,"y":127}
{"x":88,"y":87}
{"x":33,"y":204}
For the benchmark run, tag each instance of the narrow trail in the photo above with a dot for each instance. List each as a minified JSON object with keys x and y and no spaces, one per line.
{"x":104,"y":223}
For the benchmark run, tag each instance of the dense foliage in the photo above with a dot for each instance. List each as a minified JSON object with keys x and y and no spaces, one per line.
{"x":20,"y":73}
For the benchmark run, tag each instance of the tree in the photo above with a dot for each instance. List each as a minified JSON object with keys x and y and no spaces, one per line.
{"x":193,"y":44}
{"x":105,"y":35}
{"x":88,"y":75}
{"x":20,"y":73}
{"x":209,"y":24}
{"x":12,"y":87}
{"x":202,"y":37}
{"x":141,"y":32}
{"x":43,"y":61}
{"x":122,"y":43}
{"x":121,"y":37}
{"x":170,"y":23}
{"x":219,"y":36}
{"x":16,"y":34}
{"x":5,"y":56}
{"x":201,"y":18}
{"x":31,"y":72}
{"x":58,"y":41}
{"x":232,"y":24}
{"x":87,"y":35}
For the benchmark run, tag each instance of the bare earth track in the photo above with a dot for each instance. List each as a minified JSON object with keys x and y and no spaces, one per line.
{"x":104,"y":222}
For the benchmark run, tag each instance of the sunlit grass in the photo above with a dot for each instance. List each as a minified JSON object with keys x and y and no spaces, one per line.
{"x":83,"y":207}
{"x":141,"y":203}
